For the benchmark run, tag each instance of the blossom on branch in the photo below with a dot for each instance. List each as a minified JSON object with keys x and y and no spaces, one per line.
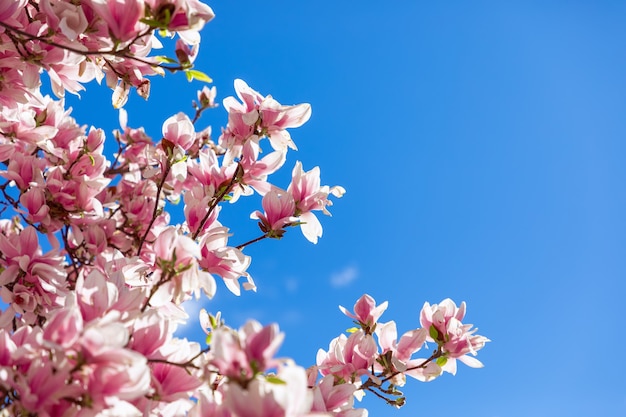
{"x":457,"y":340}
{"x":95,"y":271}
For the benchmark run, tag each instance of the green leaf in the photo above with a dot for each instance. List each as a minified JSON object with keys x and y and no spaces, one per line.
{"x":208,"y":338}
{"x":165,"y":59}
{"x":352,"y":330}
{"x":150,"y":22}
{"x":198,"y":75}
{"x":434,"y":333}
{"x":442,"y":360}
{"x":275,"y":380}
{"x":168,"y":16}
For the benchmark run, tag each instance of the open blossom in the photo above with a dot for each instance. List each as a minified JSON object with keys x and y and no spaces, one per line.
{"x":456,"y":339}
{"x":398,"y":358}
{"x":256,"y":171}
{"x":279,"y":209}
{"x":175,"y":382}
{"x":34,"y":200}
{"x":242,"y":355}
{"x":67,"y":17}
{"x":257,"y":116}
{"x":187,"y":17}
{"x":263,"y":398}
{"x":10,"y":9}
{"x":337,"y":399}
{"x":23,"y":263}
{"x":348,"y":358}
{"x":440,"y":315}
{"x":224,"y":261}
{"x":177,"y":275}
{"x":179,"y":131}
{"x":308,"y":196}
{"x":121,"y":16}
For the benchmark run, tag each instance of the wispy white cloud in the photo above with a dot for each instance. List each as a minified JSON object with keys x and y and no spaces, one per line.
{"x":291,"y":317}
{"x":291,"y":285}
{"x":344,"y":277}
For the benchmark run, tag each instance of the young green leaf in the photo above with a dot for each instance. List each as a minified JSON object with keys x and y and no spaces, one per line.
{"x":198,"y":75}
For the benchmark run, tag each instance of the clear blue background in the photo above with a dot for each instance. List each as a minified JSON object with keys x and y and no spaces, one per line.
{"x":482,"y":147}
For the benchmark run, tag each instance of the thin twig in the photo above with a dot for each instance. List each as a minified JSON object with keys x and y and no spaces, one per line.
{"x":156,"y":207}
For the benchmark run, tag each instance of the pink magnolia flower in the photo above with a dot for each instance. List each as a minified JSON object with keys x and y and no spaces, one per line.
{"x":67,"y":70}
{"x":187,"y":17}
{"x":93,"y":237}
{"x":396,"y":356}
{"x":308,"y":195}
{"x":261,"y":343}
{"x":177,"y":275}
{"x":348,"y":358}
{"x":21,"y":300}
{"x":173,"y":382}
{"x":197,"y":201}
{"x":336,"y":399}
{"x":279,"y":208}
{"x":99,"y":293}
{"x":256,"y":171}
{"x":19,"y":81}
{"x":119,"y":374}
{"x":121,"y":16}
{"x":66,"y":17}
{"x":21,"y":124}
{"x":206,"y":97}
{"x":64,"y":328}
{"x":151,"y":331}
{"x":43,"y":385}
{"x":10,"y":9}
{"x":263,"y":398}
{"x":179,"y":131}
{"x":209,"y":404}
{"x":276,"y":118}
{"x":24,"y":169}
{"x":366,"y":312}
{"x":440,"y":315}
{"x":273,"y":117}
{"x":186,"y":55}
{"x":257,"y":116}
{"x":7,"y":348}
{"x":25,"y":264}
{"x":242,"y":355}
{"x":457,"y":340}
{"x":224,"y":261}
{"x":207,"y":172}
{"x":34,"y":200}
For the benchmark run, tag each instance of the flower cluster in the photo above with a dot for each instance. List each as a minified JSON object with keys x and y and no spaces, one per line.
{"x":77,"y":42}
{"x":94,"y":273}
{"x":373,"y":351}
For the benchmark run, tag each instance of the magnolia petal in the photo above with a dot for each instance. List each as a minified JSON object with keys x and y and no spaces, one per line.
{"x":471,"y":361}
{"x":311,"y":227}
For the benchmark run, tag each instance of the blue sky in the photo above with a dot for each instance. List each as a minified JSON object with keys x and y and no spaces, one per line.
{"x":482,"y":148}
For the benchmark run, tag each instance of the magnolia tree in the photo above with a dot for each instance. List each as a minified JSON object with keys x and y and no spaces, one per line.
{"x":93,"y":272}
